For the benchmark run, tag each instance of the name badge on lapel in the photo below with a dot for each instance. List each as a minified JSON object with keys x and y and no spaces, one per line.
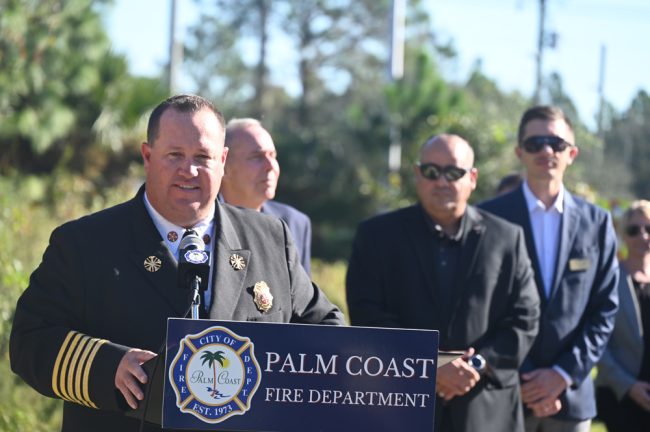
{"x":578,"y":264}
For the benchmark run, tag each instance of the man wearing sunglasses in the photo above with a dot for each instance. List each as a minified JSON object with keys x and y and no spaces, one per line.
{"x":573,"y":249}
{"x":445,"y":265}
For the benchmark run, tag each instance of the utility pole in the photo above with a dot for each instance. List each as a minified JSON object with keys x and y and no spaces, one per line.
{"x":175,"y":52}
{"x":398,"y":24}
{"x":601,"y":91}
{"x":541,"y":42}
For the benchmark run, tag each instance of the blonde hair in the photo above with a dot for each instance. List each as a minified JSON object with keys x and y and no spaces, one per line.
{"x":636,"y":207}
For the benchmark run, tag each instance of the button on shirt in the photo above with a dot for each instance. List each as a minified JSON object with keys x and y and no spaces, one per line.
{"x":163,"y":226}
{"x":545,"y":223}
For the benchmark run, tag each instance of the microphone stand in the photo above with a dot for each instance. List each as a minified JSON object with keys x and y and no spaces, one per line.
{"x":194,"y":242}
{"x":196,"y":297}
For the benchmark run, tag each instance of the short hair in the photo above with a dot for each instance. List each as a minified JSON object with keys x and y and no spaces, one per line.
{"x":541,"y":112}
{"x":637,"y":207}
{"x":186,"y":103}
{"x":508,"y":183}
{"x":238,"y":124}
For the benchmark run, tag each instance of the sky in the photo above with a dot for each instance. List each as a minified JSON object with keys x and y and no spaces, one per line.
{"x":502,"y":34}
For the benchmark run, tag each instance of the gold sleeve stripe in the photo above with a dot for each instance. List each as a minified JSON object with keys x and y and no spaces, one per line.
{"x":72,"y":368}
{"x":75,"y":396}
{"x":69,"y":350}
{"x":57,"y":363}
{"x":65,"y":366}
{"x":86,"y":375}
{"x":82,"y":365}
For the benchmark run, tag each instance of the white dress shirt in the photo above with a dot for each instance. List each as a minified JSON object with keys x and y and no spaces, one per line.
{"x":546,"y":223}
{"x":164,"y":227}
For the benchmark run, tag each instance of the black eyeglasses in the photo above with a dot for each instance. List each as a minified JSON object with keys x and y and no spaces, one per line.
{"x":534,"y":144}
{"x":635,"y":230}
{"x":433,"y":171}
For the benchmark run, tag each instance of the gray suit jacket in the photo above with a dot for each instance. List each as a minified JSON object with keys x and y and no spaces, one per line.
{"x":620,"y":364}
{"x":96,"y":294}
{"x":300,"y":226}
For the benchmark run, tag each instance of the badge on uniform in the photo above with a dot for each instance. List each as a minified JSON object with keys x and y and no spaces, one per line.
{"x":579,"y":264}
{"x":263,"y":298}
{"x":237,"y":262}
{"x":152,"y":264}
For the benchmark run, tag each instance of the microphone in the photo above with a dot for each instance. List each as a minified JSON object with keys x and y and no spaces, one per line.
{"x":193,"y":261}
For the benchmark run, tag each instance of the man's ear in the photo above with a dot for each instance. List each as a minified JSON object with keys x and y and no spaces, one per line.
{"x":145,"y":151}
{"x":473,"y":175}
{"x":573,"y":153}
{"x":518,"y":152}
{"x":224,"y":157}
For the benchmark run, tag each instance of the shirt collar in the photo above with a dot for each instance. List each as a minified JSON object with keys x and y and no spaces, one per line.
{"x":436,"y":229}
{"x":533,"y":203}
{"x":166,"y":227}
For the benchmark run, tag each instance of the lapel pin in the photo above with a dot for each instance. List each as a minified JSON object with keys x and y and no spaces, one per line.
{"x":237,"y":262}
{"x":263,"y":298}
{"x":152,"y":264}
{"x":172,"y":236}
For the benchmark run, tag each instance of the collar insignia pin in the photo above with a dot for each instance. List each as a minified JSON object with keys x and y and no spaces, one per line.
{"x":206,"y":239}
{"x":172,"y":236}
{"x":263,"y":298}
{"x":237,"y":262}
{"x":152,"y":264}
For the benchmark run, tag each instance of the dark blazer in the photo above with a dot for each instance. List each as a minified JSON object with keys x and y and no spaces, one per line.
{"x":92,"y":298}
{"x":578,"y":317}
{"x":390,"y":283}
{"x":620,"y":364}
{"x":299,"y":225}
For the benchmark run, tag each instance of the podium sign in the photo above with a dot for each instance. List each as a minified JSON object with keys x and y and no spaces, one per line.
{"x":231,"y":375}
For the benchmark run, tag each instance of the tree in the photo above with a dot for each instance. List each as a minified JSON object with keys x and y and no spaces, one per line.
{"x":225,"y":30}
{"x":61,"y":87}
{"x":490,"y":125}
{"x":593,"y":176}
{"x":627,"y":141}
{"x":212,"y":358}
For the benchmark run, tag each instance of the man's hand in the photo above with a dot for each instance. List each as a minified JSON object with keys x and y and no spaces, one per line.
{"x":456,"y":377}
{"x":640,"y":393}
{"x":540,"y":391}
{"x":129,"y":373}
{"x":546,"y":408}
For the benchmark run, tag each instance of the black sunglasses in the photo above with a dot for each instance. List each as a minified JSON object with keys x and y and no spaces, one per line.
{"x":634,"y":230}
{"x":433,"y":171}
{"x":536,"y":143}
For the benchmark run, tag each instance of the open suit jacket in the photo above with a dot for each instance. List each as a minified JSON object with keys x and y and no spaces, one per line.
{"x":390,"y":283}
{"x":299,"y":225}
{"x":93,"y":297}
{"x":578,"y":316}
{"x":620,"y":364}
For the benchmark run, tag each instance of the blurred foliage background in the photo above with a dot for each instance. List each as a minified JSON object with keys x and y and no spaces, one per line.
{"x":72,"y":118}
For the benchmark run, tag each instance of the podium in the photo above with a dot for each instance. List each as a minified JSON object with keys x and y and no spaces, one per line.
{"x":227,"y":375}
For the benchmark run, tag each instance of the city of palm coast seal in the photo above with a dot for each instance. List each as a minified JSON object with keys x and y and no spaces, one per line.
{"x":214,"y":374}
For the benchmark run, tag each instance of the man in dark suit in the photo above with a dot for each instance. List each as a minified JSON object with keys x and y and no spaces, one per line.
{"x":251,"y":177}
{"x":573,"y":249}
{"x":96,"y":307}
{"x":445,"y":265}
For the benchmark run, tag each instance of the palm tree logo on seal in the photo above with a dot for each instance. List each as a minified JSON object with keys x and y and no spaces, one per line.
{"x":212,"y":358}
